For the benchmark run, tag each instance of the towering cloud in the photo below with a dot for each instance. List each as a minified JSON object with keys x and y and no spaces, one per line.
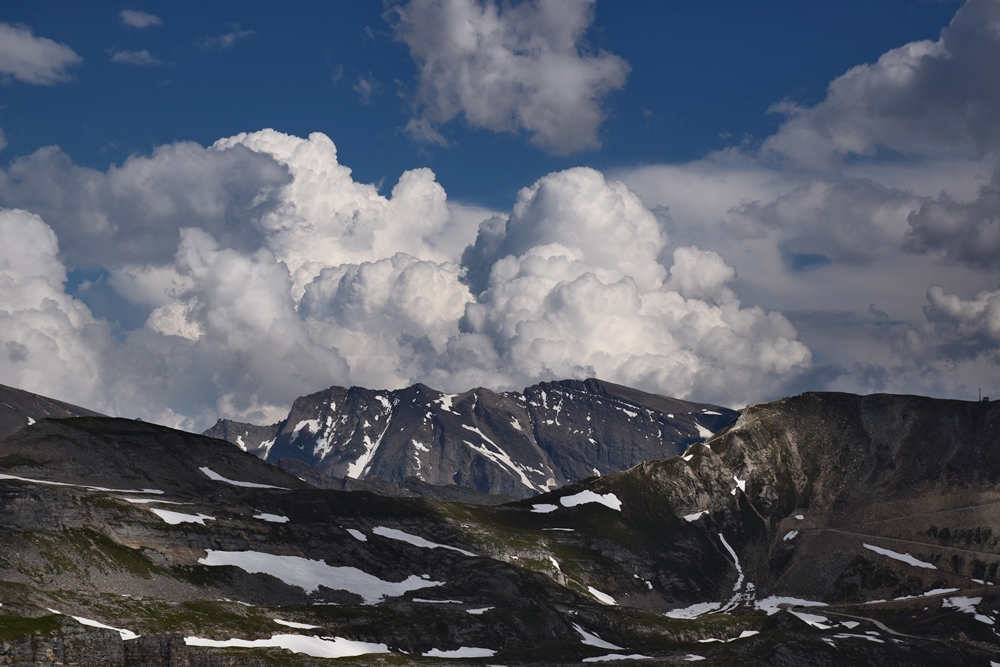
{"x":577,"y":287}
{"x":325,"y":218}
{"x":132,"y":213}
{"x":49,"y":342}
{"x":262,"y":270}
{"x":509,"y":68}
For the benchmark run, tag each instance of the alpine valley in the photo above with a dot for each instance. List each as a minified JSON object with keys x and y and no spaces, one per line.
{"x":576,"y":522}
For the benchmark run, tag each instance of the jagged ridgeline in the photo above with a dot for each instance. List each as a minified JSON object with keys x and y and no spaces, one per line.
{"x":514,"y":444}
{"x":824,"y":529}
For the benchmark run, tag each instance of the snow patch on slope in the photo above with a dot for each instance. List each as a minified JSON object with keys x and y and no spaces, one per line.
{"x":79,"y":486}
{"x":356,"y":469}
{"x":309,"y":575}
{"x":463,"y":652}
{"x":593,"y":640}
{"x":337,"y":647}
{"x":312,"y":426}
{"x":416,"y":541}
{"x":211,"y":474}
{"x":967,"y":605}
{"x":502,"y":458}
{"x":603,"y":598}
{"x":174,"y":518}
{"x":906,"y":558}
{"x":126,"y":634}
{"x":588,"y":496}
{"x":694,"y":611}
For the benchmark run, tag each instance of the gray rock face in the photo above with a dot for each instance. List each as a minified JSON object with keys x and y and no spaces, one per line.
{"x":518,"y":444}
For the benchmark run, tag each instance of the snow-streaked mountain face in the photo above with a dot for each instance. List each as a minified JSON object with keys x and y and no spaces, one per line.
{"x":518,"y":444}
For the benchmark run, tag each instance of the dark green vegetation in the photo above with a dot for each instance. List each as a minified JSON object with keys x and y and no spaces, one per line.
{"x":897,"y":541}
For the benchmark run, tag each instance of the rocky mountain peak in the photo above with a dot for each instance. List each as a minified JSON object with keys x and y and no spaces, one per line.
{"x":518,"y":444}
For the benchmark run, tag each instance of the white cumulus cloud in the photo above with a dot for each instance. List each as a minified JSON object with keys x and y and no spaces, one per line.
{"x":923,"y":98}
{"x":509,"y":68}
{"x":392,"y":319}
{"x":577,"y":288}
{"x":49,"y":342}
{"x":229,"y":341}
{"x":264,"y":271}
{"x":326,"y":218}
{"x":141,"y":58}
{"x":135,"y":18}
{"x":225,"y":40}
{"x":32,"y":59}
{"x":133,"y":213}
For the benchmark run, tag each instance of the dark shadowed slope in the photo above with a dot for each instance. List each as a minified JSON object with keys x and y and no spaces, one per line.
{"x":20,"y":408}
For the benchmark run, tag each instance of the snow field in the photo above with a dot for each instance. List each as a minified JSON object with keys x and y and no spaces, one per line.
{"x":317,"y":647}
{"x":416,"y":541}
{"x":174,"y":518}
{"x":772,"y":604}
{"x":967,"y":605}
{"x":125,"y":634}
{"x":694,"y":610}
{"x":463,"y":652}
{"x":79,"y":486}
{"x":603,"y":598}
{"x":906,"y":558}
{"x":293,"y":624}
{"x":211,"y":474}
{"x":588,"y":496}
{"x":595,"y":641}
{"x":309,"y":575}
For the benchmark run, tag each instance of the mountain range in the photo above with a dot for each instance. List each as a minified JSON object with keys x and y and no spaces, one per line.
{"x":511,"y":444}
{"x":821,"y":529}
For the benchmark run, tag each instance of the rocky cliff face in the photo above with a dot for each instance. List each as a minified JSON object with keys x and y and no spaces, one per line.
{"x":518,"y":444}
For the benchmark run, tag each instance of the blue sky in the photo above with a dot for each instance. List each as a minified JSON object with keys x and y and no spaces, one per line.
{"x":703,"y":75}
{"x":712,"y":200}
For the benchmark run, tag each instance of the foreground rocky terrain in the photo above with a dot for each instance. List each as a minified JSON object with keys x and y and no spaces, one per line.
{"x":824,"y":529}
{"x":514,"y":444}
